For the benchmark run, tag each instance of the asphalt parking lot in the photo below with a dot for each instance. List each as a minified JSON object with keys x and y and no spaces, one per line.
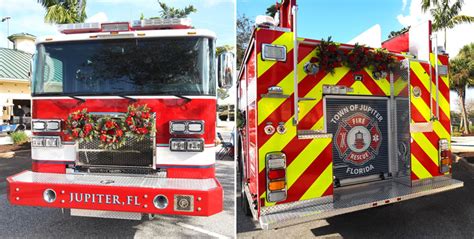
{"x":35,"y":222}
{"x":445,"y":215}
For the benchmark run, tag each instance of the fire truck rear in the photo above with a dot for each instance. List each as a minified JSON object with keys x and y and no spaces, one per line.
{"x":124,"y":118}
{"x":322,"y":138}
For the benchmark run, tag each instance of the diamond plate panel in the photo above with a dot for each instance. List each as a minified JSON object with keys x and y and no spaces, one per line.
{"x":106,"y":214}
{"x":125,"y":181}
{"x":356,"y":198}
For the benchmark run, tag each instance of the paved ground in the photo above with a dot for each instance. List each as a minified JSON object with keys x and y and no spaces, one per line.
{"x":444,"y":215}
{"x":462,"y":144}
{"x":34,"y":222}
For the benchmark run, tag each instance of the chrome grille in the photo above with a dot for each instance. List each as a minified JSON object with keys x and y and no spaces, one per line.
{"x":135,"y":157}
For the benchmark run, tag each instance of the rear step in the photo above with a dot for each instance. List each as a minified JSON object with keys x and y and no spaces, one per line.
{"x":352,"y":199}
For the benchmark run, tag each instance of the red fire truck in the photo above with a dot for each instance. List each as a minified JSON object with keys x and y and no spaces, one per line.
{"x":124,"y":118}
{"x":334,"y":128}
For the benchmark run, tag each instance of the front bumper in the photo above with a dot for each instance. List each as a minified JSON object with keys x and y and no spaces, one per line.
{"x":116,"y":193}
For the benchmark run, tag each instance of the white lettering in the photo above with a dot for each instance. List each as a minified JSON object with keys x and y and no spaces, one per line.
{"x":356,"y":171}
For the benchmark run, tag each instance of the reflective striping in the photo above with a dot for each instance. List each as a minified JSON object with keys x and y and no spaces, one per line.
{"x":400,"y":85}
{"x":305,"y":158}
{"x":427,"y":146}
{"x":360,"y":89}
{"x":418,"y":169}
{"x":266,"y":106}
{"x":422,"y":108}
{"x":319,"y":186}
{"x":285,"y":39}
{"x":276,"y":143}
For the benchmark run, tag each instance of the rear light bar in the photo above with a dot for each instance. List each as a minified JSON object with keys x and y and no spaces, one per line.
{"x":444,"y":156}
{"x":147,"y":24}
{"x":276,"y":176}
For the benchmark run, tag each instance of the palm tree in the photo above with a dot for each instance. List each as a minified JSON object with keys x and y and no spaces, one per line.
{"x":445,"y":16}
{"x":64,"y":11}
{"x":171,"y":12}
{"x":461,"y":78}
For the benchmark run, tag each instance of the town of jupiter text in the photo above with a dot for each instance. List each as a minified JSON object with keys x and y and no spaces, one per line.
{"x":358,"y":108}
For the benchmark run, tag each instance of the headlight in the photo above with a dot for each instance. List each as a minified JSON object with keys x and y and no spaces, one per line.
{"x":273,"y":52}
{"x":187,"y":145}
{"x":46,"y":141}
{"x":46,"y":125}
{"x":177,"y":127}
{"x":39,"y":125}
{"x":186,"y":127}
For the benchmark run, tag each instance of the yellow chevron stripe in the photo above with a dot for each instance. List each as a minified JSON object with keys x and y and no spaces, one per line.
{"x":441,"y":131}
{"x":384,"y":84}
{"x":319,"y":125}
{"x":278,"y":141}
{"x":320,"y":184}
{"x":418,"y":169}
{"x":305,"y":158}
{"x":285,"y":39}
{"x":432,"y":61}
{"x":359,"y":89}
{"x":317,"y":91}
{"x":421,"y":106}
{"x":425,"y":80}
{"x":427,"y":146}
{"x":399,"y":85}
{"x":266,"y":106}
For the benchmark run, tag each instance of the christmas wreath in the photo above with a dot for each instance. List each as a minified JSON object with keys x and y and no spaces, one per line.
{"x":80,"y":125}
{"x":329,"y":55}
{"x":110,"y":132}
{"x":357,"y":58}
{"x":138,"y":121}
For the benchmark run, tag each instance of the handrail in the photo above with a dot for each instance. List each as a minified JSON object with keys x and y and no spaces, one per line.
{"x":295,"y":67}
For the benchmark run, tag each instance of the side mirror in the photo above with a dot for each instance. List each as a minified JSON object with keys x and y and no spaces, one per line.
{"x":225,"y":69}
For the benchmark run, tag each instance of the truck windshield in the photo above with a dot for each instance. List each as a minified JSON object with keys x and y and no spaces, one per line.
{"x":147,"y":66}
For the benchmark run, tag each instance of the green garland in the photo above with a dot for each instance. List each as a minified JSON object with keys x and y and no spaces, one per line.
{"x":329,"y":55}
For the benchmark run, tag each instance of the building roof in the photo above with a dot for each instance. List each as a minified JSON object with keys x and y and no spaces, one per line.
{"x":14,"y":64}
{"x":21,"y":35}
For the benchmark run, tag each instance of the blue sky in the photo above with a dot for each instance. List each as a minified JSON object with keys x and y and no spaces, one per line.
{"x":341,"y":19}
{"x":27,"y":15}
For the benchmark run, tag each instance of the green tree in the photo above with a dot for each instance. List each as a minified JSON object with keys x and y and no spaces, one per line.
{"x":244,"y":32}
{"x":462,"y":78}
{"x":171,"y":12}
{"x":64,"y":11}
{"x":223,"y":48}
{"x":445,"y":15}
{"x":397,"y":33}
{"x":272,"y":10}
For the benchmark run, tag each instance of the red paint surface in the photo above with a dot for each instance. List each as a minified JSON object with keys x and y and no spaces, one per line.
{"x":38,"y":166}
{"x":191,"y":172}
{"x":165,"y":109}
{"x":399,"y":43}
{"x":31,"y":194}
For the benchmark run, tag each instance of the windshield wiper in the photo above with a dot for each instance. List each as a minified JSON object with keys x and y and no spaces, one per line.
{"x":128,"y":98}
{"x":76,"y":98}
{"x":183,"y":97}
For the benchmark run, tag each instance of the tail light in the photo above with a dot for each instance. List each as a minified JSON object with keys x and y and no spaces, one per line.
{"x":276,"y":176}
{"x":444,"y":156}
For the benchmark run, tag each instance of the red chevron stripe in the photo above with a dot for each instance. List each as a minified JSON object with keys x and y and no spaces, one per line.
{"x":425,"y":93}
{"x":416,"y":115}
{"x":371,"y":85}
{"x":444,"y":120}
{"x":281,"y":114}
{"x":424,"y":159}
{"x":413,"y":176}
{"x":310,"y":175}
{"x":443,"y":59}
{"x":433,"y":138}
{"x":329,"y":191}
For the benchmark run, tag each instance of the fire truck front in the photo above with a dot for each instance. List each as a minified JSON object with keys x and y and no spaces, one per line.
{"x":124,"y":118}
